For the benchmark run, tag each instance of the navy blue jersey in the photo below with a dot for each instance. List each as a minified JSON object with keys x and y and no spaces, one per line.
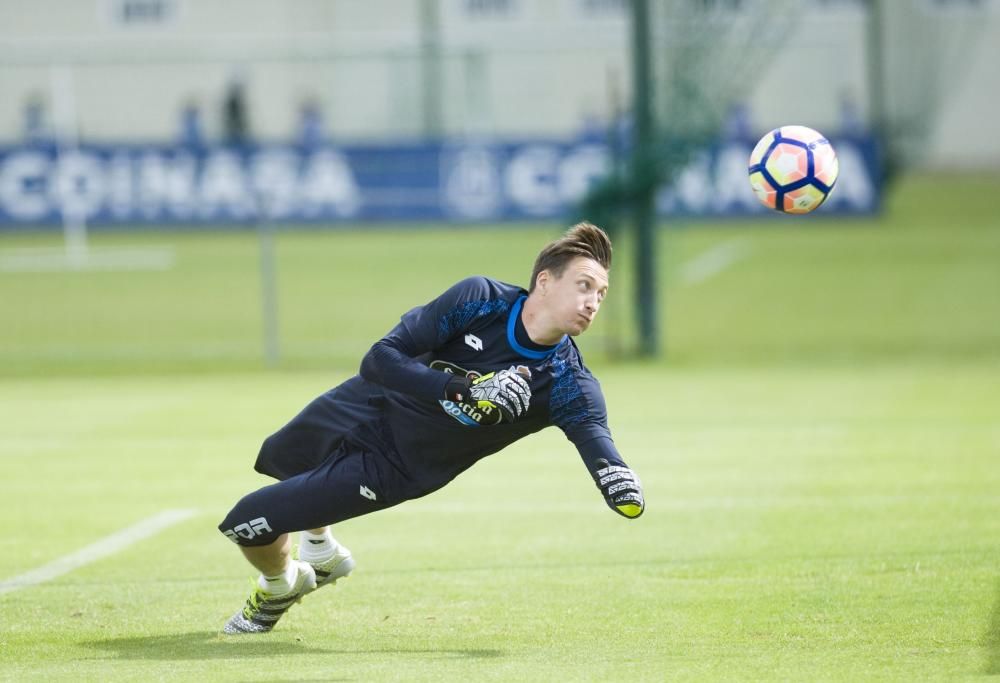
{"x":397,"y":407}
{"x":475,"y":328}
{"x":389,"y":434}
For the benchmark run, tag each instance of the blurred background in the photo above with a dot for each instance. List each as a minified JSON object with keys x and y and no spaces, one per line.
{"x":220,"y":184}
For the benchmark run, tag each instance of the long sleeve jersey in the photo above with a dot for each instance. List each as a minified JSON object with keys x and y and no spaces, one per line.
{"x":472,"y":329}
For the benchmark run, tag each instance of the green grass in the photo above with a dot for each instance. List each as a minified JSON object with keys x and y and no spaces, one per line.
{"x":819,"y":452}
{"x":821,"y":525}
{"x":921,"y":281}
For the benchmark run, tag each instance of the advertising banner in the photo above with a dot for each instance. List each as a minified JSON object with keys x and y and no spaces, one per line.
{"x":452,"y":182}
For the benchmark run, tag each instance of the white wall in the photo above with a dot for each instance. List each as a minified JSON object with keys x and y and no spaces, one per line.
{"x":966,"y":134}
{"x":511,"y":67}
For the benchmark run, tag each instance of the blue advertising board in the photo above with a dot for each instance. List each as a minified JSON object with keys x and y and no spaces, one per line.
{"x":450,"y":182}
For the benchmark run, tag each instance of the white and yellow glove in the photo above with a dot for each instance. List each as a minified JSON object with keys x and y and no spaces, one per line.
{"x":505,"y":390}
{"x":621,"y":488}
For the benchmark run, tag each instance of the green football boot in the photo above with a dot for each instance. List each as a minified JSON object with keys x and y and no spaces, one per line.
{"x":263,"y":609}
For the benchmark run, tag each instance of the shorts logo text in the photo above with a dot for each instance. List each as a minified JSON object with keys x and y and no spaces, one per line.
{"x":367,"y":492}
{"x":248,"y":530}
{"x":474,"y":342}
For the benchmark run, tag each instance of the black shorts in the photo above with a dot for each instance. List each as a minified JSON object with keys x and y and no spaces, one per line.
{"x":348,"y":411}
{"x":351,"y":482}
{"x":332,"y":464}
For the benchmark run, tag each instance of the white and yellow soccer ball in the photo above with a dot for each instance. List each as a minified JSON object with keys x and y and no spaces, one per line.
{"x":793,"y":169}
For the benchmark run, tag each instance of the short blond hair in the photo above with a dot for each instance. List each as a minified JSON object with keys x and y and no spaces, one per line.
{"x":583,"y":239}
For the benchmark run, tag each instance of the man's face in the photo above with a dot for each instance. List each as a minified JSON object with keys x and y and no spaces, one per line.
{"x":574,"y":298}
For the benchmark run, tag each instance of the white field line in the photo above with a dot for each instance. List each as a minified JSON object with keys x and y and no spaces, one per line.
{"x":713,"y":261}
{"x":108,"y":545}
{"x":45,"y":259}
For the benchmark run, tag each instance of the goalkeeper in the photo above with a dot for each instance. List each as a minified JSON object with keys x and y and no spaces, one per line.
{"x":459,"y":378}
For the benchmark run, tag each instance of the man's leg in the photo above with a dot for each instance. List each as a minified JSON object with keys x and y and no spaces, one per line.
{"x":261,"y":521}
{"x":283,"y":581}
{"x":329,"y":559}
{"x":271,"y":559}
{"x":281,"y":584}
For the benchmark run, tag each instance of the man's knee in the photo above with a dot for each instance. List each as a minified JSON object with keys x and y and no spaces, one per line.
{"x":268,"y":458}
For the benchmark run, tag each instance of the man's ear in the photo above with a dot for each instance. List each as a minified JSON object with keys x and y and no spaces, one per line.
{"x":542,"y":281}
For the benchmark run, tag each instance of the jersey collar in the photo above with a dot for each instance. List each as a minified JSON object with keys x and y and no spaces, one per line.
{"x":512,"y":338}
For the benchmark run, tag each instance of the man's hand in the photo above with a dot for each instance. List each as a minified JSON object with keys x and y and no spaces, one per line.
{"x":505,"y":390}
{"x":621,"y":488}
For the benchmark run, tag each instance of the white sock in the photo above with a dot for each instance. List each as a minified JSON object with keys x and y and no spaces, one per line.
{"x":280,"y":584}
{"x":317,"y":548}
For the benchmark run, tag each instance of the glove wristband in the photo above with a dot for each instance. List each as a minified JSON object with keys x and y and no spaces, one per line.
{"x":457,"y":389}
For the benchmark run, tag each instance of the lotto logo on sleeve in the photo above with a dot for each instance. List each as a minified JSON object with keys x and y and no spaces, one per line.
{"x":248,"y":530}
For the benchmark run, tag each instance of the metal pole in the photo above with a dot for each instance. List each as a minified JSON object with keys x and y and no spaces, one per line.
{"x":268,"y":291}
{"x":876,"y":82}
{"x":268,"y":280}
{"x":643,"y":169}
{"x":430,"y":48}
{"x":65,"y":124}
{"x":616,"y":109}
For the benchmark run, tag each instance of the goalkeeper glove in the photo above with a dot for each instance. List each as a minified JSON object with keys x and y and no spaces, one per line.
{"x":621,"y":488}
{"x":505,"y":390}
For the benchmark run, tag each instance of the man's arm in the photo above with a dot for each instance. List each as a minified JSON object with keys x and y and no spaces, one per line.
{"x":579,"y":409}
{"x":619,"y":485}
{"x":392,"y":361}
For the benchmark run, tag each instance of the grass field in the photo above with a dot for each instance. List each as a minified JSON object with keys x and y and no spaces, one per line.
{"x":819,"y":450}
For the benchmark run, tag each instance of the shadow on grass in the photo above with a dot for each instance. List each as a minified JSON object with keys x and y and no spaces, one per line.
{"x":991,"y":642}
{"x":202,"y":645}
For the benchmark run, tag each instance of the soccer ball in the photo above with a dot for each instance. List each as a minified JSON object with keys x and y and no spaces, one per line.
{"x":793,"y":169}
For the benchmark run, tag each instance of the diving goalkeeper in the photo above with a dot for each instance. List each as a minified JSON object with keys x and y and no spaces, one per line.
{"x":462,"y":377}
